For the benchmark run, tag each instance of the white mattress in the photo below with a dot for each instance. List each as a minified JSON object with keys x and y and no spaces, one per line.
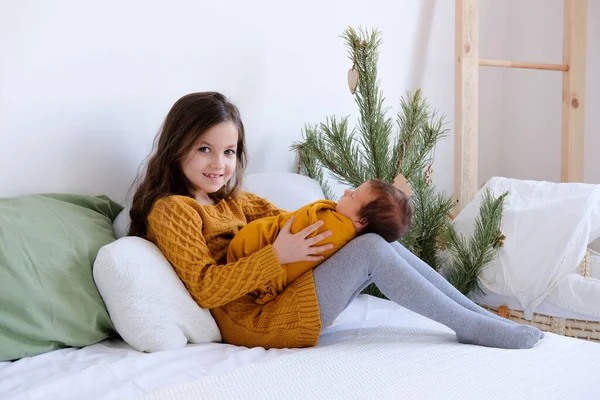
{"x":112,"y":370}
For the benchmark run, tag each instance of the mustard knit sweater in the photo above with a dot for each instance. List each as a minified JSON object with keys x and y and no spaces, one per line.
{"x":262,"y":232}
{"x":194,"y":238}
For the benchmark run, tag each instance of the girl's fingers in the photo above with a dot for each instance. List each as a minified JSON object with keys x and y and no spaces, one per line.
{"x":318,"y":238}
{"x":288,"y":225}
{"x":310,"y":229}
{"x":313,"y":258}
{"x":320,"y":249}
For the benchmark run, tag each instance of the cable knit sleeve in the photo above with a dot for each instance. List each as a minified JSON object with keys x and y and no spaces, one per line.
{"x":176,"y":228}
{"x":255,"y":207}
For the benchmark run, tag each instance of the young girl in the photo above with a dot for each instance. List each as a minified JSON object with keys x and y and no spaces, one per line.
{"x":191,"y":206}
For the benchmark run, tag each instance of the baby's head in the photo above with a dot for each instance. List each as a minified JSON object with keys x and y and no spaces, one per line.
{"x":377,"y":207}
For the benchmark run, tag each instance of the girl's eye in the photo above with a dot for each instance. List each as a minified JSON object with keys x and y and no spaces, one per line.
{"x":204,"y":149}
{"x":229,"y":152}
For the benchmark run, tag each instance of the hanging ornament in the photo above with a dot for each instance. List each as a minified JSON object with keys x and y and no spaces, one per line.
{"x":401,"y":183}
{"x":352,"y":79}
{"x":353,"y":72}
{"x":429,"y":176}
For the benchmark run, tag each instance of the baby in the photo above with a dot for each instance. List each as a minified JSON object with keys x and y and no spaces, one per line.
{"x":374,"y":207}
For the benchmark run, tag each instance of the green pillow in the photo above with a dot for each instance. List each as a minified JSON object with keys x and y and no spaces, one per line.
{"x":48,"y":298}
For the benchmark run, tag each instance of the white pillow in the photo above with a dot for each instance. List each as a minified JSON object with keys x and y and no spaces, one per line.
{"x":285,"y":190}
{"x":121,"y":223}
{"x":147,"y":302}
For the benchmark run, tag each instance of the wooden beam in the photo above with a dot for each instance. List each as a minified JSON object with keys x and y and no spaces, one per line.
{"x":573,"y":91}
{"x":466,"y":90}
{"x":526,"y":65}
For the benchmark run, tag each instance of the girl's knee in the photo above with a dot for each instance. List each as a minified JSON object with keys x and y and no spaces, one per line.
{"x":370,"y":240}
{"x":364,"y":250}
{"x":399,"y":247}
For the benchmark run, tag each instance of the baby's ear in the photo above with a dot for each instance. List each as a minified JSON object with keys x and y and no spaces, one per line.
{"x":360,"y":224}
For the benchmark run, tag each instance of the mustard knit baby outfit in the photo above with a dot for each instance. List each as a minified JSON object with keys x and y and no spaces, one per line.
{"x":262,"y":232}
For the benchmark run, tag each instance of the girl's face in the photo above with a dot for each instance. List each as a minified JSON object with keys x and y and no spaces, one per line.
{"x":211,"y":162}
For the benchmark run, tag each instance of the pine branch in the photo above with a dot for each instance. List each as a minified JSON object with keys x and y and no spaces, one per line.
{"x":411,"y":117}
{"x":430,"y":222}
{"x":374,"y":128}
{"x":471,"y":256}
{"x":341,"y":155}
{"x":420,"y":130}
{"x":336,"y":150}
{"x":310,"y":166}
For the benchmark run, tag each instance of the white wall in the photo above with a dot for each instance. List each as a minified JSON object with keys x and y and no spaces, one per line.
{"x":531,"y":116}
{"x":84,"y":86}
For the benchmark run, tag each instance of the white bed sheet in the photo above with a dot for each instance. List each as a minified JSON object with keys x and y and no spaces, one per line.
{"x":409,"y":364}
{"x":112,"y":370}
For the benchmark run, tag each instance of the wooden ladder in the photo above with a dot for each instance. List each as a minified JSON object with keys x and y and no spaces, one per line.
{"x":467,"y":88}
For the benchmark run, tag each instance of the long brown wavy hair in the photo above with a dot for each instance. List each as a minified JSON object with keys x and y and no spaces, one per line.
{"x":189,"y":118}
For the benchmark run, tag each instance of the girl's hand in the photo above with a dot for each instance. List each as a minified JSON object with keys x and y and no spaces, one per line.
{"x":296,"y":247}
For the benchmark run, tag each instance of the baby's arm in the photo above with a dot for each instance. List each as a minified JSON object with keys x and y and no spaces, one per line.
{"x":255,"y":236}
{"x":263,"y":232}
{"x":342,"y":232}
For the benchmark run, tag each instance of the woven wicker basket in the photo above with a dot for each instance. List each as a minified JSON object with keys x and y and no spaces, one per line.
{"x":577,"y":328}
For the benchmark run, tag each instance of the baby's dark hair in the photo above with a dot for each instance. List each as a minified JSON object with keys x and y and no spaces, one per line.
{"x":390,"y":214}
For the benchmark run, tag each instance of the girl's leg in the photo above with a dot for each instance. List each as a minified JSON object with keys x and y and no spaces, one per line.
{"x":442,"y":284}
{"x":339,"y":279}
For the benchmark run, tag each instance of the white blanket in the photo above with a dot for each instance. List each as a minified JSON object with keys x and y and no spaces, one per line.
{"x":547,"y":227}
{"x":375,"y":349}
{"x":112,"y":370}
{"x":401,"y":363}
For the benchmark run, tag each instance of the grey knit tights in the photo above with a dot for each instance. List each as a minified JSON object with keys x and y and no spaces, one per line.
{"x":411,"y":283}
